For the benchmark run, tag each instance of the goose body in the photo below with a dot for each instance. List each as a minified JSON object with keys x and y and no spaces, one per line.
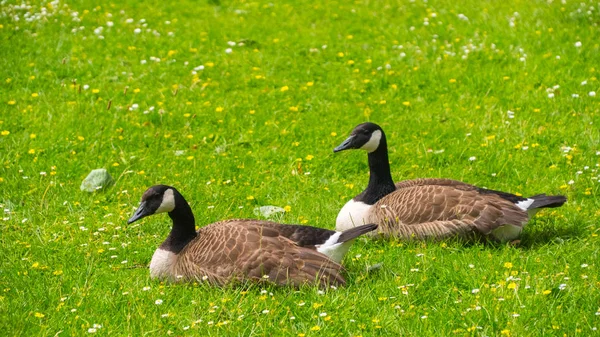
{"x":243,"y":250}
{"x":431,"y":208}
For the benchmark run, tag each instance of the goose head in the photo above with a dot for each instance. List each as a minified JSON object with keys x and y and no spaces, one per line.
{"x":365,"y":136}
{"x":156,"y":199}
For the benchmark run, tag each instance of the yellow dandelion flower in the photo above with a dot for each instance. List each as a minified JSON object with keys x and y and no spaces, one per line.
{"x":136,"y":90}
{"x":340,"y":54}
{"x":506,"y":78}
{"x":546,"y":292}
{"x":284,"y":88}
{"x":294,"y":108}
{"x":115,"y":164}
{"x":333,"y":134}
{"x":31,"y":151}
{"x":394,"y":86}
{"x":310,"y":157}
{"x":287,"y":208}
{"x":505,"y":332}
{"x":142,"y":172}
{"x":12,"y":102}
{"x":315,"y":328}
{"x":39,"y":315}
{"x":190,"y":157}
{"x":219,"y":109}
{"x":5,"y":133}
{"x":452,"y":80}
{"x":32,"y":136}
{"x":35,"y":94}
{"x":190,"y":136}
{"x":95,"y":91}
{"x":210,"y":64}
{"x":1,"y":180}
{"x":310,"y":84}
{"x":32,"y":77}
{"x":407,"y":103}
{"x":349,"y":37}
{"x":35,"y":265}
{"x":80,"y":138}
{"x":512,"y":285}
{"x":186,"y":115}
{"x":252,"y":112}
{"x":508,"y":265}
{"x":57,"y":272}
{"x":250,"y":197}
{"x":350,"y":62}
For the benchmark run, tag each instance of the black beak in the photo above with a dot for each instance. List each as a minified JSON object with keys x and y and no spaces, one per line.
{"x":347,"y":144}
{"x":141,"y":212}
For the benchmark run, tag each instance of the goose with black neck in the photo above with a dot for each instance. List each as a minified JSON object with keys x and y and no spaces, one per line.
{"x":431,"y":207}
{"x":243,"y":250}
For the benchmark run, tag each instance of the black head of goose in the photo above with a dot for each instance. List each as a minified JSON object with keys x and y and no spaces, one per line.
{"x":431,"y":207}
{"x":243,"y":250}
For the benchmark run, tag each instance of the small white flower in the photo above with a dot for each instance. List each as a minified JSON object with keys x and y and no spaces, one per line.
{"x":158,"y":302}
{"x":515,"y":315}
{"x":472,"y":158}
{"x":323,"y":314}
{"x":92,"y":330}
{"x":525,"y":148}
{"x":231,"y":43}
{"x":584,"y":265}
{"x":592,"y":93}
{"x":511,"y":114}
{"x":474,"y":291}
{"x":110,"y":24}
{"x":562,"y":286}
{"x":571,"y":182}
{"x":578,"y":44}
{"x":423,"y":317}
{"x":402,"y":55}
{"x":583,"y":82}
{"x":551,"y":95}
{"x":292,"y":318}
{"x":198,"y":68}
{"x":146,"y":288}
{"x":265,"y":311}
{"x":320,"y":292}
{"x":471,"y":266}
{"x":130,"y":20}
{"x":463,"y":17}
{"x":137,"y":31}
{"x":186,"y":327}
{"x":143,"y":62}
{"x":228,"y":51}
{"x":204,"y":278}
{"x":575,"y":96}
{"x":86,"y":87}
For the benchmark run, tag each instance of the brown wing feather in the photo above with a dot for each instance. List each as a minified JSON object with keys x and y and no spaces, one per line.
{"x":443,"y":210}
{"x":242,"y":250}
{"x":433,"y":181}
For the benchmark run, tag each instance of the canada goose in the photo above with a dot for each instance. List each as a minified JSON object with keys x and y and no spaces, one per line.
{"x":431,"y":208}
{"x":237,"y":250}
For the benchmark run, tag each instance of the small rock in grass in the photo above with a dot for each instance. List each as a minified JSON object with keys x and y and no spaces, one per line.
{"x":268,"y":211}
{"x":96,"y":180}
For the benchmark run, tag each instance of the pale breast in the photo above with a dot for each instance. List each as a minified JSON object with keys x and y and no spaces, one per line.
{"x":354,"y":213}
{"x":162,"y":263}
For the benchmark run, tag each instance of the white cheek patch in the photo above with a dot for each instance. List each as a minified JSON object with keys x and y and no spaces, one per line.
{"x":373,"y":142}
{"x":168,"y":202}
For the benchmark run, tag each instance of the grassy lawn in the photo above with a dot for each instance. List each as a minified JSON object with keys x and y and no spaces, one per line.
{"x":501,"y":94}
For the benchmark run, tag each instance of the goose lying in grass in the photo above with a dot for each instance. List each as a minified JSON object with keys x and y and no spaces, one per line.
{"x":243,"y":250}
{"x":431,"y":208}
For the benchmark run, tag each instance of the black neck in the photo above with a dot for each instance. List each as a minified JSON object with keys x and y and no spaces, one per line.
{"x":380,"y":181}
{"x":184,"y":226}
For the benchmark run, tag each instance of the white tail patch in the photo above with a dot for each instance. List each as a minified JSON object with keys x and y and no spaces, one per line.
{"x":354,"y":213}
{"x":168,"y":202}
{"x":333,"y":249}
{"x":162,"y":262}
{"x":524,"y":205}
{"x":373,"y":142}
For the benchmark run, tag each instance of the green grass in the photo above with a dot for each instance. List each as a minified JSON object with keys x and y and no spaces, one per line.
{"x":247,"y":142}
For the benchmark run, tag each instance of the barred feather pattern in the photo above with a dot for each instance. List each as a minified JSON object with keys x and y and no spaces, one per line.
{"x":440,"y":208}
{"x":246,"y":250}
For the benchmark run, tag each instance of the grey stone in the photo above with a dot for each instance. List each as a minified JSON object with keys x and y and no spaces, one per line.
{"x":97,"y":180}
